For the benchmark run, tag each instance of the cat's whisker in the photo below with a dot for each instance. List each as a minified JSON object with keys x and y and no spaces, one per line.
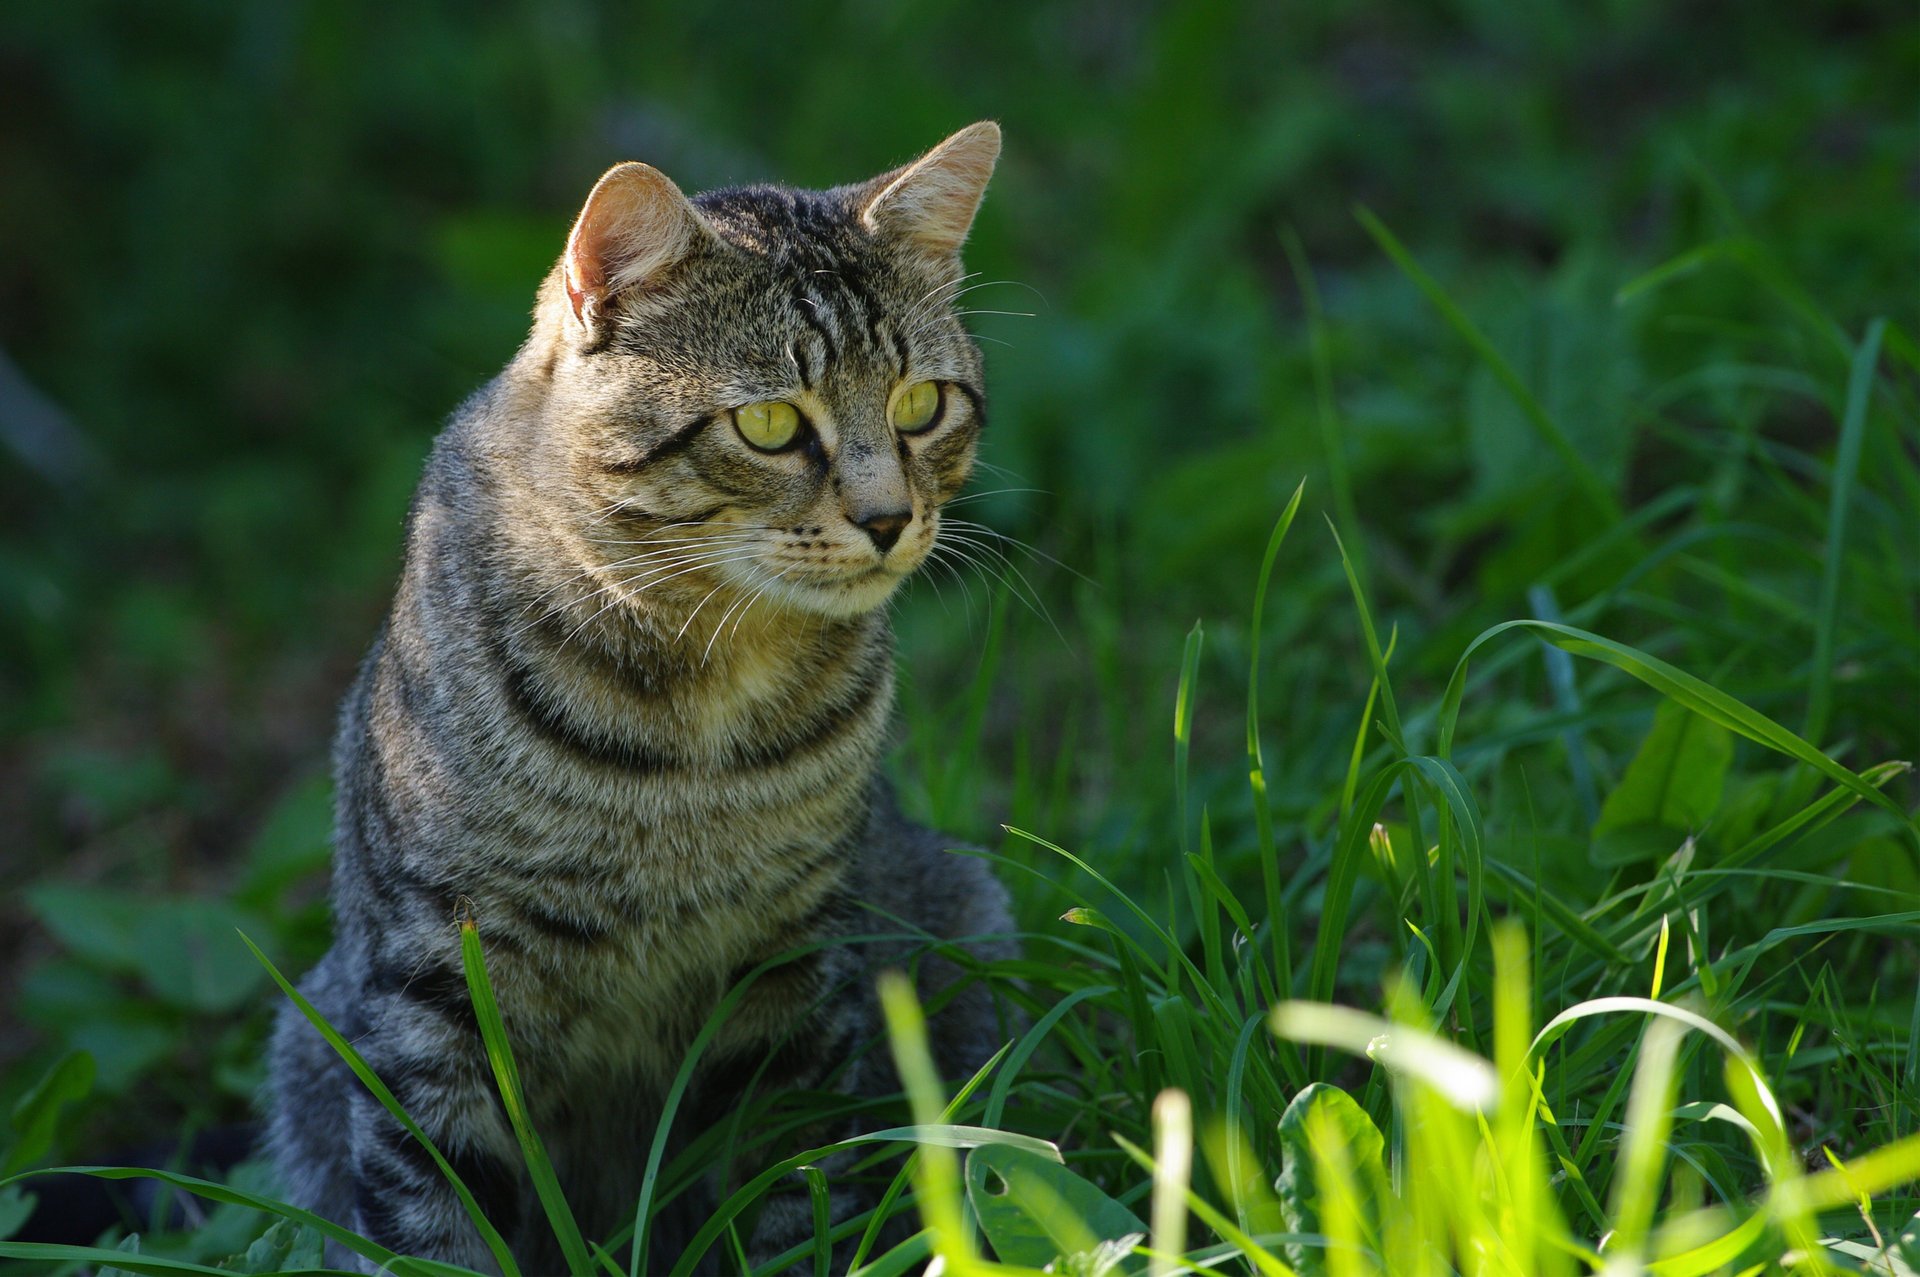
{"x":926,"y":306}
{"x":952,"y":556}
{"x":933,"y":584}
{"x":991,"y":492}
{"x":937,"y":289}
{"x":629,"y":562}
{"x":935,"y":559}
{"x":704,"y":563}
{"x":970,"y":526}
{"x":1030,"y":595}
{"x":712,"y":529}
{"x":688,"y":623}
{"x":631,"y":502}
{"x":609,"y":510}
{"x":926,"y":323}
{"x":993,"y":283}
{"x":651,"y":574}
{"x":620,"y":596}
{"x":748,"y":601}
{"x":745,"y":536}
{"x":964,"y":556}
{"x":624,"y":593}
{"x":743,"y":603}
{"x":980,"y":463}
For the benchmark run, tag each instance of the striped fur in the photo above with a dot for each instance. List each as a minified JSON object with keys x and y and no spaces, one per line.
{"x":628,"y":707}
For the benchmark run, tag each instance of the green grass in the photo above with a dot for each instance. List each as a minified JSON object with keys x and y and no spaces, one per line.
{"x":1483,"y":447}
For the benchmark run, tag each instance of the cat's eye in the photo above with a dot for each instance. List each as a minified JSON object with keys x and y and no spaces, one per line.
{"x":769,"y":425}
{"x":917,"y":408}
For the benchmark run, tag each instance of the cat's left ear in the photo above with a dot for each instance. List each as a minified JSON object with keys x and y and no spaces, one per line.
{"x":930,"y":203}
{"x":635,"y":225}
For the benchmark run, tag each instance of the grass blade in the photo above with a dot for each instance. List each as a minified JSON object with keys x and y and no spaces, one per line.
{"x":1644,"y":1153}
{"x":939,"y":1183}
{"x":1695,"y":694}
{"x":1277,"y":911}
{"x":1183,"y":727}
{"x":1846,"y":463}
{"x":1172,"y":1167}
{"x":493,"y":1031}
{"x":496,"y":1245}
{"x":1543,"y":424}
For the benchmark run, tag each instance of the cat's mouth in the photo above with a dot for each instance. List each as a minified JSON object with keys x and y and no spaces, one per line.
{"x":845,"y":592}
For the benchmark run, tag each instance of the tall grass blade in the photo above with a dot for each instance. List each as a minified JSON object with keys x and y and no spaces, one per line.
{"x":225,"y":1193}
{"x":1183,"y":727}
{"x":496,"y":1245}
{"x":1543,"y":424}
{"x":1638,"y":1178}
{"x":1280,"y":929}
{"x":1172,"y":1169}
{"x":1463,"y":1078}
{"x":506,"y":1074}
{"x":938,"y":1186}
{"x":1846,"y":464}
{"x":1332,"y":441}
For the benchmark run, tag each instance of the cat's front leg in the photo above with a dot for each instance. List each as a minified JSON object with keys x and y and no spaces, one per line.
{"x":811,"y":1025}
{"x":401,"y":1198}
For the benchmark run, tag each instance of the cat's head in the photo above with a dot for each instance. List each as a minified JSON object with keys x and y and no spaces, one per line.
{"x":768,"y":389}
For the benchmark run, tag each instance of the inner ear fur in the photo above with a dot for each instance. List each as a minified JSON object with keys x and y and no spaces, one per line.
{"x":931,"y":202}
{"x":634,"y":225}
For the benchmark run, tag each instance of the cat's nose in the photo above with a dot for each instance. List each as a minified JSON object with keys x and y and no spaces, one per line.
{"x":885,"y":526}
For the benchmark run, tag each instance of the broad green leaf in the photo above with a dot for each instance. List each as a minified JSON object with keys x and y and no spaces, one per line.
{"x":1034,"y":1210}
{"x":285,"y":1245}
{"x":130,"y":1245}
{"x":295,"y":839}
{"x":16,"y":1208}
{"x":37,"y":1114}
{"x":1299,"y":1194}
{"x":1671,"y":788}
{"x":181,"y":947}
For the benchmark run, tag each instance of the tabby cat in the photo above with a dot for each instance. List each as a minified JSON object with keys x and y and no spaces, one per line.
{"x":627,"y":712}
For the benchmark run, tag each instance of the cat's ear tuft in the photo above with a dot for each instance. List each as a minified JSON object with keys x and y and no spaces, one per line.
{"x":635,"y":224}
{"x":931,"y":202}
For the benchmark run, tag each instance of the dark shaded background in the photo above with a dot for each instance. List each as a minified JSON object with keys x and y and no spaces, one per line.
{"x":253,"y":254}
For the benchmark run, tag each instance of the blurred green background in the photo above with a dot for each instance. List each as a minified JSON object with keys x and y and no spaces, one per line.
{"x":252,"y":254}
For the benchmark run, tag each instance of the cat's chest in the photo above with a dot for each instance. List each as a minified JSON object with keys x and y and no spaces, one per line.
{"x":633,"y":1006}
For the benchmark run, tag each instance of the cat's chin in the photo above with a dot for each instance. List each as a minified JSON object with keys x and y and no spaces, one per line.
{"x":837,"y":597}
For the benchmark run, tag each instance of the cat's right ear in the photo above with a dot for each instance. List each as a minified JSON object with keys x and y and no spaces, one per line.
{"x":930,"y":203}
{"x":635,"y":225}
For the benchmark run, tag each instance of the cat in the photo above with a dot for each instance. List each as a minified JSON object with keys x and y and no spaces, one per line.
{"x":627,"y":713}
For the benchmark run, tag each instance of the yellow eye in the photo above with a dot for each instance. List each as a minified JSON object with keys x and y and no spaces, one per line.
{"x":769,"y":425}
{"x":918,"y":407}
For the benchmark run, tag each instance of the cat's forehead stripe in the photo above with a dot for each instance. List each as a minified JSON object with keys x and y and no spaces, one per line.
{"x":843,"y":312}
